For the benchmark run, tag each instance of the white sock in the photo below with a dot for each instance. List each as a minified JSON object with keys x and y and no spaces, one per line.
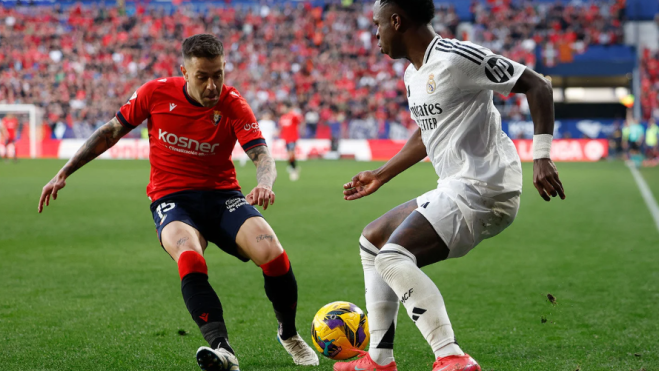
{"x":381,"y":305}
{"x":421,"y":298}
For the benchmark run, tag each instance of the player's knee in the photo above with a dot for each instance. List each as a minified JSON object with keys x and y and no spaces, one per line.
{"x":273,"y":251}
{"x":374,"y":234}
{"x":278,"y":266}
{"x":390,"y":257}
{"x":268,"y":250}
{"x":177,"y":243}
{"x":367,"y":250}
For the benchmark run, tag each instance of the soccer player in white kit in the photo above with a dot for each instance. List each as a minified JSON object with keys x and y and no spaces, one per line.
{"x":449,"y":87}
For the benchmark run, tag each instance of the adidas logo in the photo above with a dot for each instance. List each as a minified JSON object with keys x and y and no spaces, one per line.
{"x":417,"y":313}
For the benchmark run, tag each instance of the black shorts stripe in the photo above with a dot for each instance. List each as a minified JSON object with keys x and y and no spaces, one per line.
{"x":458,"y":53}
{"x":431,"y":49}
{"x":253,"y":143}
{"x":465,"y":50}
{"x":124,"y":122}
{"x":367,"y":250}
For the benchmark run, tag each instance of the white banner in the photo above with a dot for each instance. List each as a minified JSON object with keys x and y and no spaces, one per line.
{"x":125,"y":149}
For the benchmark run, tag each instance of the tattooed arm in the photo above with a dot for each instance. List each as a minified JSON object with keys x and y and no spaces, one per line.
{"x":266,"y":173}
{"x":105,"y":137}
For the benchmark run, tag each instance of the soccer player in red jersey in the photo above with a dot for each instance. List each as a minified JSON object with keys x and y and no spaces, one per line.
{"x":289,"y":128}
{"x":9,"y":128}
{"x":193,"y":123}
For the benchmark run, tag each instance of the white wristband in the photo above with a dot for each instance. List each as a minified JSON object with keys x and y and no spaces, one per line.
{"x":542,"y":145}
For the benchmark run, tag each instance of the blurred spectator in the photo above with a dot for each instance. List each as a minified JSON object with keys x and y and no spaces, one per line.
{"x":9,"y":130}
{"x":632,"y":138}
{"x":650,"y":84}
{"x":615,"y":141}
{"x":652,"y":140}
{"x":80,"y":64}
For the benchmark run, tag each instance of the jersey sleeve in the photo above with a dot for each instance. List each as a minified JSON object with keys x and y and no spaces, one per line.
{"x":475,"y":68}
{"x":245,"y":125}
{"x":137,"y":109}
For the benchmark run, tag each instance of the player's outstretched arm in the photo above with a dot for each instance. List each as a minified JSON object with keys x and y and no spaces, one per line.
{"x":367,"y":182}
{"x":266,"y":173}
{"x":103,"y":138}
{"x":539,"y":93}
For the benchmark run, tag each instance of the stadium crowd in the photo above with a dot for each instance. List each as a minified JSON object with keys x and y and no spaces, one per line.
{"x":650,"y":84}
{"x":81,"y":63}
{"x":514,"y":29}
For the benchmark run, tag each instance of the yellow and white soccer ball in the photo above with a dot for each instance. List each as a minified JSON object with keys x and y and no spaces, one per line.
{"x":339,"y":330}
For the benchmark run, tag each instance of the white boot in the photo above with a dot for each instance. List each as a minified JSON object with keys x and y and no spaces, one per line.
{"x":216,"y":359}
{"x":302,"y":353}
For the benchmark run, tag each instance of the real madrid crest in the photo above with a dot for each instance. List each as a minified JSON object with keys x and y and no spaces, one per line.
{"x":431,"y":85}
{"x":217,"y":116}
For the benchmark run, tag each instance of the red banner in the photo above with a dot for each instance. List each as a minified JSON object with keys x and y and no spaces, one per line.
{"x":561,"y":149}
{"x":363,"y":150}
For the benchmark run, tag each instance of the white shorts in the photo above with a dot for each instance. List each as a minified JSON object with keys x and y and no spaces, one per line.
{"x":462,"y":217}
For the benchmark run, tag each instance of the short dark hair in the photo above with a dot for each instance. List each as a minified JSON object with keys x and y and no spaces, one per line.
{"x":419,"y":11}
{"x":202,"y":46}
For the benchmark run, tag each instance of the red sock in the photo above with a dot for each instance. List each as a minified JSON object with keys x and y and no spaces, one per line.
{"x":278,"y":266}
{"x":191,"y":262}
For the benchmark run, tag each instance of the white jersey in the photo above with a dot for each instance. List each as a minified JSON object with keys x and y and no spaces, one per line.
{"x":450,"y":98}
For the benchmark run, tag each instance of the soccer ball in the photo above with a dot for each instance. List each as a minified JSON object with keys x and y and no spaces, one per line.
{"x":339,"y":330}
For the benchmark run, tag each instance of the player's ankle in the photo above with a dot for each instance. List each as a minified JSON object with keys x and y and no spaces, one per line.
{"x":452,"y":349}
{"x":222,"y":343}
{"x":382,"y":357}
{"x":287,"y":331}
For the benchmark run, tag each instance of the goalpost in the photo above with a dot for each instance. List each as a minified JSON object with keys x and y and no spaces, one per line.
{"x":33,"y":112}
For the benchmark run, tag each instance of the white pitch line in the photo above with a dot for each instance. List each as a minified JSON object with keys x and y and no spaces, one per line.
{"x":646,"y":193}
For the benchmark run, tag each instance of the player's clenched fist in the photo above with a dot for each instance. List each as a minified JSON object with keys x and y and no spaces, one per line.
{"x":362,"y":184}
{"x":57,"y":183}
{"x":261,"y":195}
{"x":545,"y":179}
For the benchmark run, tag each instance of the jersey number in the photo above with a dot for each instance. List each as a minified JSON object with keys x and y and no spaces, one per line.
{"x":164,"y":207}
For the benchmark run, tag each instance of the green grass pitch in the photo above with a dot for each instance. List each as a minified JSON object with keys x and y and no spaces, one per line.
{"x":86,"y":286}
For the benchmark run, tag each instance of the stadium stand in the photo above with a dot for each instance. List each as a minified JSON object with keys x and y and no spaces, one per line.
{"x":650,"y":84}
{"x":80,"y":63}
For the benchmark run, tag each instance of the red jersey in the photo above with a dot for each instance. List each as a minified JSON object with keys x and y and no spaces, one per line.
{"x":190,"y":145}
{"x":11,"y":125}
{"x":289,"y":127}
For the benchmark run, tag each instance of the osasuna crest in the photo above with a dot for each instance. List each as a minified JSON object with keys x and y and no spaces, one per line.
{"x":217,"y":116}
{"x":431,"y":85}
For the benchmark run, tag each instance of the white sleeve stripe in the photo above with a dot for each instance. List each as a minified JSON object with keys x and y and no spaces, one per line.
{"x":460,"y":46}
{"x":458,"y":53}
